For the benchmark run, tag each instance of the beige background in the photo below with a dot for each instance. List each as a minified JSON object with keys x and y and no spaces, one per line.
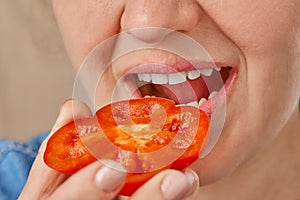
{"x":35,"y":74}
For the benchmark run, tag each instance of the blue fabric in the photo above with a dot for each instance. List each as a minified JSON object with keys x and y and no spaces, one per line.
{"x":15,"y":162}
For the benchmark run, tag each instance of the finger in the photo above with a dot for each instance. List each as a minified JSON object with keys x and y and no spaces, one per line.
{"x":92,"y":182}
{"x":43,"y":180}
{"x":169,"y":185}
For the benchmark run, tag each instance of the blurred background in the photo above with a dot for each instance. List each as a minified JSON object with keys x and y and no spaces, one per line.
{"x":35,"y":73}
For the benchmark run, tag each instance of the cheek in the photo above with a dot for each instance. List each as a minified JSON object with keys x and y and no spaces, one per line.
{"x":268,"y":88}
{"x":255,"y":26}
{"x":266,"y":33}
{"x":84,"y":24}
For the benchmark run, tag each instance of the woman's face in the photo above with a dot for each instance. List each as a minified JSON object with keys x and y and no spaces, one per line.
{"x":259,"y":38}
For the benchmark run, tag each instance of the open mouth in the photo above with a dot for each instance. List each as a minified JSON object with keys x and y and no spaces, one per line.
{"x":202,"y":88}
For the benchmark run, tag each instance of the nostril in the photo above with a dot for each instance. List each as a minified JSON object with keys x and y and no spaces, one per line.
{"x":150,"y":35}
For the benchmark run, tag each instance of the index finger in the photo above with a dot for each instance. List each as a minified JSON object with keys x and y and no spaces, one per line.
{"x":43,"y":180}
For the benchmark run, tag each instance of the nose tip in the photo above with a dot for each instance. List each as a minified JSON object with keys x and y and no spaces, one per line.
{"x":181,"y":15}
{"x":150,"y":34}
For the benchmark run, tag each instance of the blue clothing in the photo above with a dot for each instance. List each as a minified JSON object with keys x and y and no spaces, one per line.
{"x":15,"y":162}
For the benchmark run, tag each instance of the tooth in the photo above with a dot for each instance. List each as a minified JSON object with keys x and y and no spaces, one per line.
{"x":176,"y":78}
{"x":202,"y":101}
{"x":193,"y":74}
{"x":148,"y":96}
{"x":159,"y":78}
{"x":193,"y":103}
{"x":146,"y":77}
{"x":217,"y":68}
{"x":212,"y":94}
{"x":206,"y":72}
{"x":140,"y":77}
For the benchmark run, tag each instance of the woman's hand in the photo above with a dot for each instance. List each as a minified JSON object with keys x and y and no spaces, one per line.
{"x":97,"y":181}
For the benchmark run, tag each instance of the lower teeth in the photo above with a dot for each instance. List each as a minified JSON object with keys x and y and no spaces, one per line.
{"x":202,"y":101}
{"x":194,"y":103}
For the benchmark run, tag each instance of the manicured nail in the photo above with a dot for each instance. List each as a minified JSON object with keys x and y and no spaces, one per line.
{"x":109,"y":179}
{"x":179,"y":185}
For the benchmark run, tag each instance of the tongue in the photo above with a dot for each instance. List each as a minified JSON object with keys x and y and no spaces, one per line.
{"x":188,"y":91}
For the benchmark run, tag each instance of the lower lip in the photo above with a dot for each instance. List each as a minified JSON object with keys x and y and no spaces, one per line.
{"x":211,"y":104}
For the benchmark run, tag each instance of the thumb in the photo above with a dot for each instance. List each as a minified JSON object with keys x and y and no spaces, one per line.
{"x":169,"y":185}
{"x":42,"y":180}
{"x":95,"y":181}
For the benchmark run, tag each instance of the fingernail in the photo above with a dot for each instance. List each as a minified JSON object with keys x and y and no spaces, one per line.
{"x":62,"y":113}
{"x":108,"y":179}
{"x":193,"y":180}
{"x":179,"y":185}
{"x":62,"y":105}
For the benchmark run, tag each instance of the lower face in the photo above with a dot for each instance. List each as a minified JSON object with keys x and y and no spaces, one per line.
{"x":257,"y":63}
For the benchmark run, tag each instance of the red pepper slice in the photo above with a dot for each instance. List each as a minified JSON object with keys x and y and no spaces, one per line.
{"x":144,"y":135}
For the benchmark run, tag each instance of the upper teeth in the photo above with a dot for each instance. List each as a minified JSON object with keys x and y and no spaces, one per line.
{"x":175,"y":78}
{"x":193,"y":74}
{"x":159,"y":78}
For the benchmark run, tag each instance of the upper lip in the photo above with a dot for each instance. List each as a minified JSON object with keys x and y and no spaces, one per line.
{"x":164,"y":67}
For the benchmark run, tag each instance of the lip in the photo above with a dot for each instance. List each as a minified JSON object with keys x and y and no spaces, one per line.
{"x":166,"y":68}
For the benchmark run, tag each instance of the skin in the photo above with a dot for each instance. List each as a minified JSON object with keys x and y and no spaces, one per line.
{"x":262,"y":37}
